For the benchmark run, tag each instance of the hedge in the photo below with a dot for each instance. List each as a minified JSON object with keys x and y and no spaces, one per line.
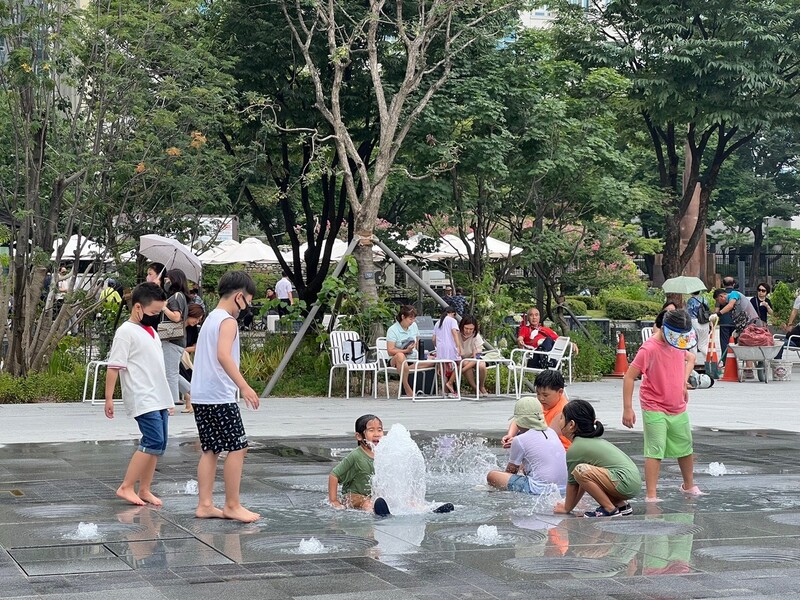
{"x":591,"y":302}
{"x":620,"y":308}
{"x":43,"y":387}
{"x":576,"y":306}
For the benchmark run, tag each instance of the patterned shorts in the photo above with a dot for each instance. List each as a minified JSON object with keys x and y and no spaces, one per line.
{"x":220,"y":427}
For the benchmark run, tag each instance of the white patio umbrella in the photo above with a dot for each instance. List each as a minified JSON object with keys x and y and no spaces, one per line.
{"x":88,"y":250}
{"x":171,"y":253}
{"x":251,"y":250}
{"x":217,"y":249}
{"x":495,"y":248}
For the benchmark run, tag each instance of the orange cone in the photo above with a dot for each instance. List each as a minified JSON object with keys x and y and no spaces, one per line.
{"x":731,"y":365}
{"x":622,"y":359}
{"x":712,"y":360}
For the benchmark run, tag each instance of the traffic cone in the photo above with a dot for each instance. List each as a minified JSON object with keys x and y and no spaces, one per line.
{"x":731,"y":365}
{"x":621,"y":365}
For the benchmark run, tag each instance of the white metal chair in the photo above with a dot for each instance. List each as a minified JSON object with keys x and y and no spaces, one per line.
{"x":384,"y":364}
{"x":93,"y":367}
{"x":647,"y":333}
{"x":555,"y":359}
{"x":342,"y":351}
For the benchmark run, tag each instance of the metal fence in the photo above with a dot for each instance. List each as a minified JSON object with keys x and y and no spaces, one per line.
{"x":772,"y":267}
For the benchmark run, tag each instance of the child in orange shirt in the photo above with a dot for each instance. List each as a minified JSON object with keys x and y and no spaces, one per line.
{"x":550,"y":392}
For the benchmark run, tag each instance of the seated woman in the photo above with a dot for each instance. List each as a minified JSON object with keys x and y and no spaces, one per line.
{"x":402,"y":340}
{"x":471,"y":347}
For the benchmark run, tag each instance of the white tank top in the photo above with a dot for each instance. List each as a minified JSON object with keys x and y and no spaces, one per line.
{"x":210,"y":382}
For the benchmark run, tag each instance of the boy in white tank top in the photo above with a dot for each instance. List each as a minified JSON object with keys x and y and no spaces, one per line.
{"x":215,"y":380}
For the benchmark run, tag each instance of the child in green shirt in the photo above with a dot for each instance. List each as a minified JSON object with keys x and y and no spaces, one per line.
{"x":355,"y":472}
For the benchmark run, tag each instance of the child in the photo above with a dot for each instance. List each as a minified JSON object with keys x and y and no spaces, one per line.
{"x":595,"y":466}
{"x":215,"y":380}
{"x":356,"y":470}
{"x":537,"y":455}
{"x":665,"y":367}
{"x":447,"y":341}
{"x":550,"y":392}
{"x":137,"y":360}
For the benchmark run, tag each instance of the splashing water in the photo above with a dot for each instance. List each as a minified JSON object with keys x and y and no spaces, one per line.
{"x":545,"y":502}
{"x":190,"y":488}
{"x":85,"y":531}
{"x":716,"y":469}
{"x":310,"y":546}
{"x":487,"y":535}
{"x":400,"y":473}
{"x":462,"y":459}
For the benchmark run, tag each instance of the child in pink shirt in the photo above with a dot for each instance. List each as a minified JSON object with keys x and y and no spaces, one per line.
{"x":664,"y":365}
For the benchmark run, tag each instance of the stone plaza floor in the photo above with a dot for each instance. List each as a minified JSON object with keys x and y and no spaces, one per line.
{"x":742,"y":540}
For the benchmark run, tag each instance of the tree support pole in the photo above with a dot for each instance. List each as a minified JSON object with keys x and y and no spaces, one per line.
{"x":306,"y":324}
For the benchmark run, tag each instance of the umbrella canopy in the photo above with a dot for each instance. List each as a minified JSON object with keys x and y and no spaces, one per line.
{"x":171,"y":253}
{"x":683,"y":285}
{"x":495,"y":248}
{"x":337,"y":251}
{"x":215,"y":251}
{"x":251,"y":250}
{"x":87,"y":249}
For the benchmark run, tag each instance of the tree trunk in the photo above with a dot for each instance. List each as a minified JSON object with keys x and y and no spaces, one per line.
{"x":758,"y":244}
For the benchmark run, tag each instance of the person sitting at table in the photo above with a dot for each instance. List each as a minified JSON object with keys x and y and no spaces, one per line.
{"x":472,"y":346}
{"x":402,"y":340}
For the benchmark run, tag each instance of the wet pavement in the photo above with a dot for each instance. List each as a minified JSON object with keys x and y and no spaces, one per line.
{"x":742,"y":540}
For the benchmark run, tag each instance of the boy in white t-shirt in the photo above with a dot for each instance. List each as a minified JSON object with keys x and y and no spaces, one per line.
{"x":537,"y":458}
{"x":137,"y":360}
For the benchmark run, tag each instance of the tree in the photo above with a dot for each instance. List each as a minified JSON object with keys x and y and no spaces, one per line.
{"x":706,"y":77}
{"x":104,"y":112}
{"x":760,"y":181}
{"x":420,"y":41}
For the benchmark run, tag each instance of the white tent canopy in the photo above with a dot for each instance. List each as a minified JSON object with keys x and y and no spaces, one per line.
{"x":216,"y":250}
{"x":452,"y":247}
{"x":495,"y":248}
{"x":251,"y":250}
{"x":87,"y":249}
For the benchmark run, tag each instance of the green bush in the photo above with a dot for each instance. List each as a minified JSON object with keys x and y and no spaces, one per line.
{"x":637,"y":292}
{"x":305,"y":375}
{"x":621,"y":308}
{"x":43,"y":387}
{"x":591,"y":302}
{"x":594,"y":359}
{"x":782,"y":298}
{"x":576,"y":306}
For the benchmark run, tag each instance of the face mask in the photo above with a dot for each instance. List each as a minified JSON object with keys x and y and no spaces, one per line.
{"x":150,"y":320}
{"x":167,"y":286}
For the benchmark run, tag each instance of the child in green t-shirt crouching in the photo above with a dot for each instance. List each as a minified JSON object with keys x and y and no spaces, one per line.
{"x":355,"y":472}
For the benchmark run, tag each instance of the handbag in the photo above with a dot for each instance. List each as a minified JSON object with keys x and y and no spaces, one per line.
{"x":171,"y":330}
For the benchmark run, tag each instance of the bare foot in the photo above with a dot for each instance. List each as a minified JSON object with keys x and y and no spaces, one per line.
{"x":484,"y":392}
{"x":129,"y":495}
{"x":150,"y":498}
{"x":240,"y":513}
{"x":209,"y":512}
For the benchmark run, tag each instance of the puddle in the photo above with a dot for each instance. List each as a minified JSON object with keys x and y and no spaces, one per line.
{"x":647,"y":527}
{"x":786,"y":518}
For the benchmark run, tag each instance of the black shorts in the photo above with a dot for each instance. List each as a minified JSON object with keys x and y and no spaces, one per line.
{"x":220,"y":427}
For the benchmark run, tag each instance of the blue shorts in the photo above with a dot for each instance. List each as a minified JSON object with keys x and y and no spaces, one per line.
{"x":521,"y":483}
{"x":153,"y":426}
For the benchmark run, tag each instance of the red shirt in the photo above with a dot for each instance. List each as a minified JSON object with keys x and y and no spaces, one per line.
{"x":534,"y":337}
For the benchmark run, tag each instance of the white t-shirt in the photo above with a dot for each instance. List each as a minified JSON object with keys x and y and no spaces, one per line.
{"x":210,"y":382}
{"x":541,"y":455}
{"x":140,"y":361}
{"x":283,"y":288}
{"x":796,"y":304}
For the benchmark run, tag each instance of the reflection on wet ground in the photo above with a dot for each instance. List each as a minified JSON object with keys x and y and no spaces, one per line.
{"x":64,"y":534}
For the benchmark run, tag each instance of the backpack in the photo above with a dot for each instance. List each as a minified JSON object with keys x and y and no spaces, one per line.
{"x":703,"y":312}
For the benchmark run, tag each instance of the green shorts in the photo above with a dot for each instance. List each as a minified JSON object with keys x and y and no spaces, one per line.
{"x":666,"y":436}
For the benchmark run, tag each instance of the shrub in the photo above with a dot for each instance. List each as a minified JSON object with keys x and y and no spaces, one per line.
{"x":577,"y":306}
{"x":591,"y":302}
{"x":43,"y":387}
{"x":621,"y":308}
{"x":782,"y":298}
{"x":305,"y":375}
{"x":630,"y":292}
{"x":594,"y":358}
